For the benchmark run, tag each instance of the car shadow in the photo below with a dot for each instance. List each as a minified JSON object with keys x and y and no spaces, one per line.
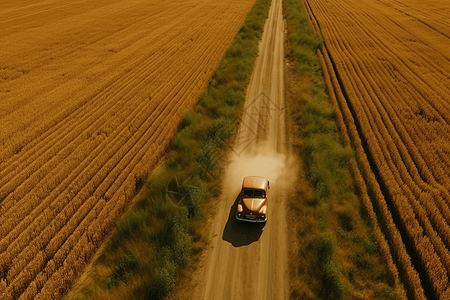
{"x":240,"y":233}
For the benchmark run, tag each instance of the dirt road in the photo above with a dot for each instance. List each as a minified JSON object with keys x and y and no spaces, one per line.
{"x":248,"y":261}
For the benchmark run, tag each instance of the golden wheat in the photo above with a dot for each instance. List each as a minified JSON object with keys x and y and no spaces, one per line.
{"x":89,"y":104}
{"x":392,"y":86}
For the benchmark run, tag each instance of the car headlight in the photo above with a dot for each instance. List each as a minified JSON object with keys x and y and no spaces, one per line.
{"x":263,"y":210}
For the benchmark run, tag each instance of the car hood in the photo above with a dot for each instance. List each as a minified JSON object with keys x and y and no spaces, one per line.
{"x":254,"y":204}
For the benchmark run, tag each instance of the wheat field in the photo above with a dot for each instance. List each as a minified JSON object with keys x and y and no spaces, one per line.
{"x":91,"y":93}
{"x":388,"y":68}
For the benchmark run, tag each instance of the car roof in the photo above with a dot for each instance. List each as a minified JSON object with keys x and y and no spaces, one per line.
{"x":254,"y":182}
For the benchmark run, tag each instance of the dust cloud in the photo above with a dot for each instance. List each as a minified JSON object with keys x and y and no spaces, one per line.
{"x":265,"y":162}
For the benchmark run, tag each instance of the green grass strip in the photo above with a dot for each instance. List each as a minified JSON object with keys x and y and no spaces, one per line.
{"x":324,"y":154}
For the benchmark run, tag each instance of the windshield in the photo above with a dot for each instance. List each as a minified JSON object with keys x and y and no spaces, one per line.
{"x":253,"y":193}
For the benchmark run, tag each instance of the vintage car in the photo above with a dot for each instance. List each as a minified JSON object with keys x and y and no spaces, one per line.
{"x":252,"y":206}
